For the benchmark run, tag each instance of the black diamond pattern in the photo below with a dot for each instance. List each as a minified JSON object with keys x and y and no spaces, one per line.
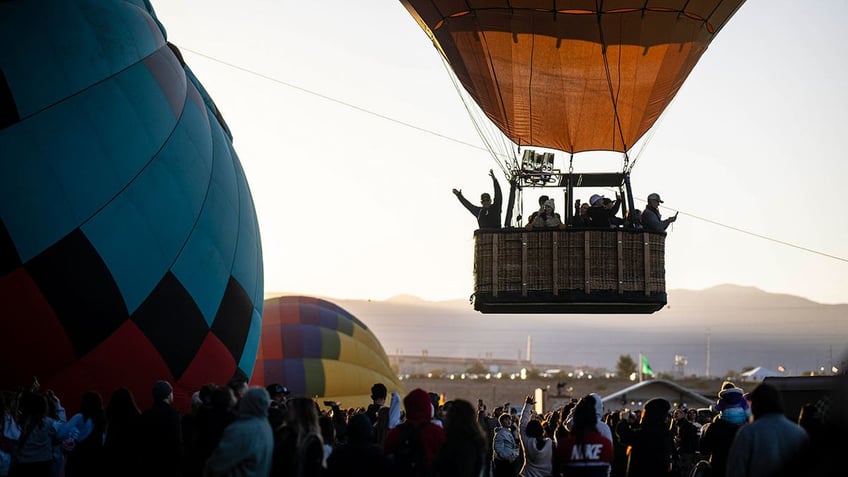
{"x":81,"y":290}
{"x":9,"y":259}
{"x":171,"y":320}
{"x":8,"y":110}
{"x":232,"y":322}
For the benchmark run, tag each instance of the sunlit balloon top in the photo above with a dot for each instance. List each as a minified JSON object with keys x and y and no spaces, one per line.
{"x":316,"y":348}
{"x":573,"y":75}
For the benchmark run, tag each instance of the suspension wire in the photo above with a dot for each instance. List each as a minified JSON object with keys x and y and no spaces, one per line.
{"x":764,"y":237}
{"x":334,"y":100}
{"x":488,"y":51}
{"x":474,"y":146}
{"x":501,"y":160}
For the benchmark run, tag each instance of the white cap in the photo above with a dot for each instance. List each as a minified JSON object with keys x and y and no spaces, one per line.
{"x":595,"y":198}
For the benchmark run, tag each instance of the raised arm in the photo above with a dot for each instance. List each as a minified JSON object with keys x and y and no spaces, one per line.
{"x":475,"y":211}
{"x":498,"y":194}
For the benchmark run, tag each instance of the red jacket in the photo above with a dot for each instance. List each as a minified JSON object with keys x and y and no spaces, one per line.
{"x":419,"y":412}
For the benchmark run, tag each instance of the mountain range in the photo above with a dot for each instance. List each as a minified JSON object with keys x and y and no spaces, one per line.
{"x":742,"y":327}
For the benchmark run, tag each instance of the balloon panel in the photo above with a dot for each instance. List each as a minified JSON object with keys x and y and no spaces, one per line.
{"x":568,"y":78}
{"x":316,"y":348}
{"x":129,"y":247}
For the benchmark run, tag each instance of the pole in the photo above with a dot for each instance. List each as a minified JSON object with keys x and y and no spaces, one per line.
{"x":640,"y":366}
{"x":709,"y":337}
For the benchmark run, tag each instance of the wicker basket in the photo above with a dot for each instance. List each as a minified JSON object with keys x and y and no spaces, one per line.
{"x":569,"y":266}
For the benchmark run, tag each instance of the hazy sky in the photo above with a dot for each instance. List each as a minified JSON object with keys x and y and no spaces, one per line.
{"x":353,"y":205}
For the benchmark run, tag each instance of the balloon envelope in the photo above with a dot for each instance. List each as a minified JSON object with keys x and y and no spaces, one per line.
{"x":316,"y":348}
{"x":565,"y":75}
{"x":129,"y":247}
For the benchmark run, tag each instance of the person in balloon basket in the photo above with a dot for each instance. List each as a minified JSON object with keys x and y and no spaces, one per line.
{"x":545,"y":217}
{"x":651,"y":217}
{"x":161,"y":434}
{"x":489,"y":214}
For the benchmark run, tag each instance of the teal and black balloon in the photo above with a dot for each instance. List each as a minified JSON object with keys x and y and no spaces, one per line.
{"x":129,"y":246}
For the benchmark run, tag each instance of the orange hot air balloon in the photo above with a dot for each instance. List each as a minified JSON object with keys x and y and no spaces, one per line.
{"x":572,"y":75}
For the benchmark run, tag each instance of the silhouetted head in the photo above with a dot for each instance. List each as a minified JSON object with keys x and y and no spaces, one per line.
{"x":765,"y":399}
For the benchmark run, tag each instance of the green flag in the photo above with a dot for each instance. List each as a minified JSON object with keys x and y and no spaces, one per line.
{"x":646,"y":368}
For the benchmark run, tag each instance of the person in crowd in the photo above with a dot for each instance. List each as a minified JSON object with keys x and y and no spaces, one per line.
{"x":651,"y":444}
{"x":686,"y":440}
{"x":732,"y":405}
{"x":762,"y":447}
{"x":10,"y":432}
{"x":546,"y":217}
{"x":285,"y":445}
{"x":489,"y":213}
{"x":86,"y":429}
{"x":309,"y":453}
{"x":598,"y":405}
{"x":200,"y":404}
{"x":584,"y":451}
{"x":328,"y":431}
{"x":247,"y":445}
{"x":538,"y":449}
{"x":379,"y":393}
{"x":464,"y":449}
{"x":34,"y":453}
{"x":651,"y":217}
{"x":692,"y":417}
{"x":506,"y":449}
{"x":386,"y":417}
{"x":279,"y":394}
{"x":715,"y":441}
{"x":161,"y":434}
{"x":360,"y":455}
{"x":619,"y":461}
{"x":239,"y":386}
{"x":276,"y":412}
{"x":209,"y":425}
{"x":437,"y":409}
{"x":122,"y":443}
{"x":488,"y":424}
{"x":417,"y":428}
{"x":810,"y":418}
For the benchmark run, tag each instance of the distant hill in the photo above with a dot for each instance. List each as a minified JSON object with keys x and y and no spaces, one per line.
{"x":746,"y":327}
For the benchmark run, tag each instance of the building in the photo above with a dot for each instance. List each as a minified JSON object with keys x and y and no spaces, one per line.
{"x":634,"y":397}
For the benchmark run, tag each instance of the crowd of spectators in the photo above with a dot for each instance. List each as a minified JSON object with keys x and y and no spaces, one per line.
{"x":236,"y":430}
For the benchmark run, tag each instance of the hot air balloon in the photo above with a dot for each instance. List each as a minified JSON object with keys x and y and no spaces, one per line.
{"x":569,"y":77}
{"x":129,"y":246}
{"x":316,"y":348}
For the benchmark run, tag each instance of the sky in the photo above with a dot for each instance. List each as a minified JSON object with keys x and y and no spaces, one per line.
{"x":352,"y":136}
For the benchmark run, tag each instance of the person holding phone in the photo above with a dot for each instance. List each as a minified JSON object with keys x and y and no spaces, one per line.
{"x":651,"y":217}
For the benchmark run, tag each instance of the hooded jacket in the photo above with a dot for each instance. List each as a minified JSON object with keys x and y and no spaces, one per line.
{"x":419,"y":412}
{"x":600,"y":425}
{"x":247,"y":446}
